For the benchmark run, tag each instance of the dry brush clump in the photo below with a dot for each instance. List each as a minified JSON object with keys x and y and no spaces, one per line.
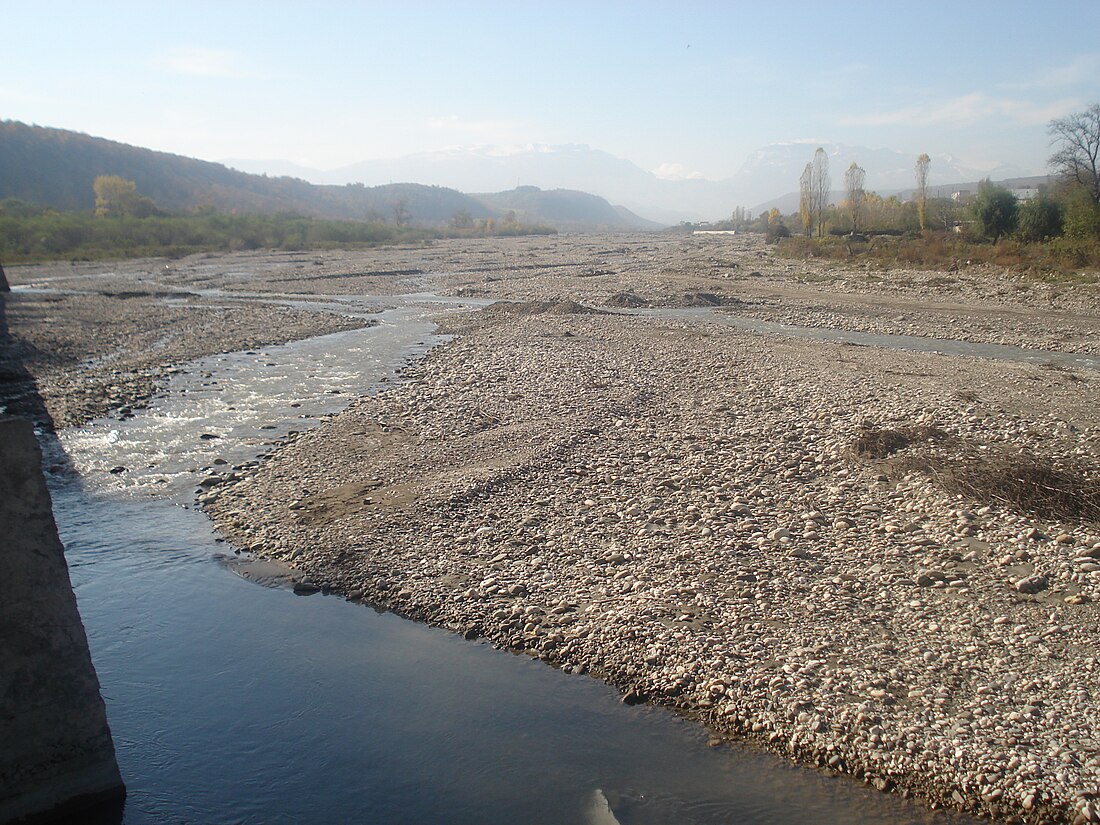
{"x":876,"y":443}
{"x":1030,"y":483}
{"x":1042,"y":485}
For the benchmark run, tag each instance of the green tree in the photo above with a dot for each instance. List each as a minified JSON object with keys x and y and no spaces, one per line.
{"x":1040,"y":219}
{"x":995,"y":210}
{"x":1082,"y":215}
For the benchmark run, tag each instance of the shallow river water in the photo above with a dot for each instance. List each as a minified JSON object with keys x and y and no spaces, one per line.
{"x":231,"y":702}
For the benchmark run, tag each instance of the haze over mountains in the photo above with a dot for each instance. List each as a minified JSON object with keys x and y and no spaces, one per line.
{"x":766,"y":175}
{"x":56,"y":168}
{"x":571,"y":187}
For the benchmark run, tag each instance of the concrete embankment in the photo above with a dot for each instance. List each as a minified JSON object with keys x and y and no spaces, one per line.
{"x":56,"y":754}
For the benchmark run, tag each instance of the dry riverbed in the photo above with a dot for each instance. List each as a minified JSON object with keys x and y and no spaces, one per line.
{"x":883,"y":563}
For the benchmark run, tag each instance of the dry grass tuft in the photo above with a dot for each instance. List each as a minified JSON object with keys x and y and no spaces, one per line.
{"x":1042,"y":486}
{"x":874,"y":443}
{"x":1028,"y":483}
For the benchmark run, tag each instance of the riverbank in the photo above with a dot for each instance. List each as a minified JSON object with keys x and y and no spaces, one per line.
{"x":796,"y":541}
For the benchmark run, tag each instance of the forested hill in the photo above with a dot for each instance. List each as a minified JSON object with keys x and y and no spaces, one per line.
{"x":56,"y":168}
{"x":564,"y":208}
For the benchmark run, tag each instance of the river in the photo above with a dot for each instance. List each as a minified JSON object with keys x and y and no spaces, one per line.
{"x":231,"y":702}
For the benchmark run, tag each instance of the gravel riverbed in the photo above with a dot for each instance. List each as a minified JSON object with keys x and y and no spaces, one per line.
{"x":683,"y":510}
{"x":883,"y":563}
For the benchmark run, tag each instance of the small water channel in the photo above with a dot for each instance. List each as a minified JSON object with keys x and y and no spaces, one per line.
{"x":228,"y":409}
{"x":886,"y":340}
{"x":230,"y":702}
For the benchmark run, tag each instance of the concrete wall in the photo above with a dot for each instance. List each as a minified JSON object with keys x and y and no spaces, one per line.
{"x":56,"y":752}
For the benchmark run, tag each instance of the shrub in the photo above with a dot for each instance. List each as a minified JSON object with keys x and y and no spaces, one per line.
{"x":1041,"y":485}
{"x":1040,"y":219}
{"x":995,"y":210}
{"x":1082,"y":218}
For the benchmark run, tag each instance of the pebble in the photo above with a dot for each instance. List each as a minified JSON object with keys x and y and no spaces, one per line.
{"x":1032,"y":584}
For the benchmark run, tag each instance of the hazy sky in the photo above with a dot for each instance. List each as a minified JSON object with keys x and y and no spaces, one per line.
{"x":693,"y":87}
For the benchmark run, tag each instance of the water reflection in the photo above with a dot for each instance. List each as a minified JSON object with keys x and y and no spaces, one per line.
{"x":231,"y":702}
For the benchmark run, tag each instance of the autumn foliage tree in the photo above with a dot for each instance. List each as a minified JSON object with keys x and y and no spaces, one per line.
{"x":117,"y":197}
{"x":775,"y":226}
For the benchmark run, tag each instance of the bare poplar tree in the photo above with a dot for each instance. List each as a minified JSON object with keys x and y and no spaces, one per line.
{"x":805,"y":199}
{"x":853,"y":182}
{"x":1078,"y":159}
{"x":923,"y":162}
{"x":401,"y":214}
{"x":819,"y":188}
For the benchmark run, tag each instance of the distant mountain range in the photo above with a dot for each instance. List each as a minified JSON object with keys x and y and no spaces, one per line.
{"x":765,"y":175}
{"x":572,"y":187}
{"x":564,"y":208}
{"x":56,"y":167}
{"x":489,"y":169}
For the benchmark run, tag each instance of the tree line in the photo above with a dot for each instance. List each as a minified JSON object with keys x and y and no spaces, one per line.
{"x":125,"y":223}
{"x":1067,"y":212}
